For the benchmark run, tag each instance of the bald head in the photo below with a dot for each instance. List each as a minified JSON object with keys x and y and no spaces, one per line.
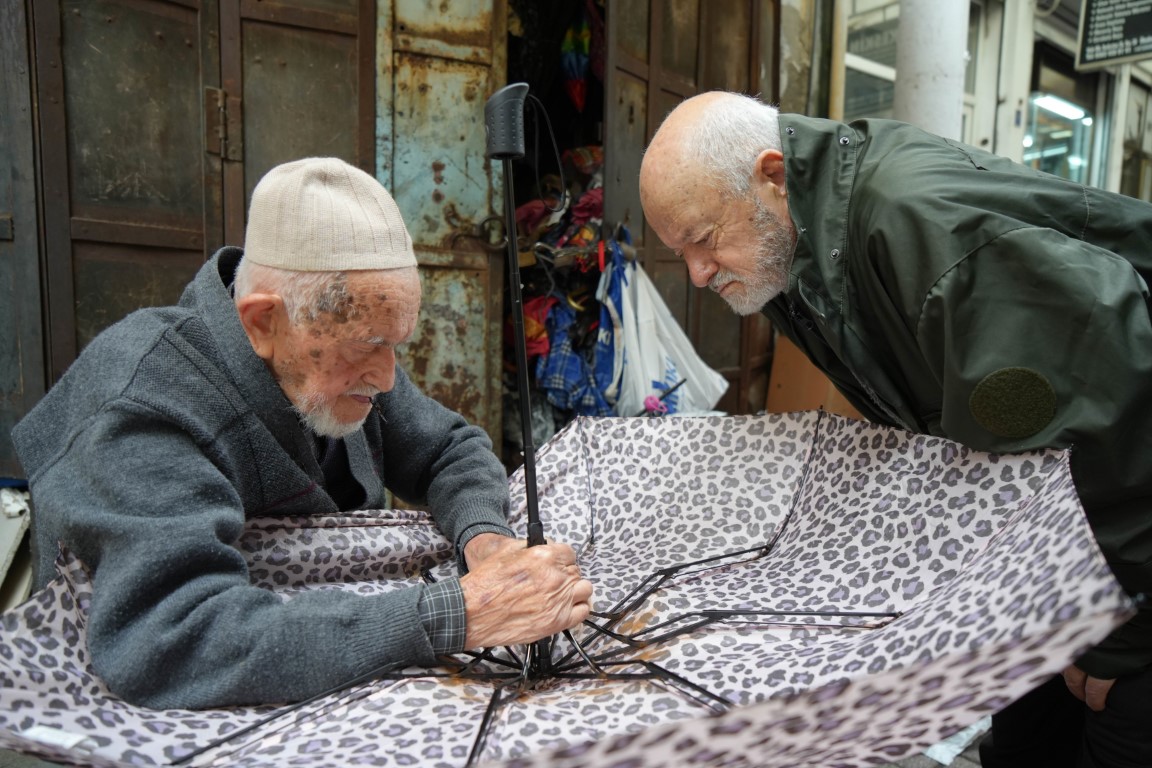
{"x":713,"y":188}
{"x":714,"y":138}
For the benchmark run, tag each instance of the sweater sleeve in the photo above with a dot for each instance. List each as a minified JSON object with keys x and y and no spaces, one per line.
{"x":1040,"y":340}
{"x":433,"y":456}
{"x":174,"y":621}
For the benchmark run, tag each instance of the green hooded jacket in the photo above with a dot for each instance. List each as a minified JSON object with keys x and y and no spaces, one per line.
{"x":955,"y":293}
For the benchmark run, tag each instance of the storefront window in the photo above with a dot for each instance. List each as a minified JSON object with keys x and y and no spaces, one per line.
{"x":1136,"y":174}
{"x":1058,"y":138}
{"x":870,"y":62}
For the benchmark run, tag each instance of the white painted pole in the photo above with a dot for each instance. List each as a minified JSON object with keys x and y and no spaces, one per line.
{"x":931,"y":44}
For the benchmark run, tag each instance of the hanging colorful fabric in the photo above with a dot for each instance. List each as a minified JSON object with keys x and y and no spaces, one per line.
{"x":574,"y":61}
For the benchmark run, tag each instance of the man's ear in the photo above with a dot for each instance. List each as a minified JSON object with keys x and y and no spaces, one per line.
{"x":770,"y":170}
{"x":261,"y":314}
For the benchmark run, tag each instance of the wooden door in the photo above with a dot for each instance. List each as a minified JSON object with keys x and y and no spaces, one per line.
{"x":660,"y":53}
{"x":119,"y":93}
{"x":21,"y":337}
{"x":157,"y":119}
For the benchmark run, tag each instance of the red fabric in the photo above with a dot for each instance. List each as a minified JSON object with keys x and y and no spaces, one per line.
{"x":589,"y":206}
{"x":530,"y":214}
{"x":536,"y":340}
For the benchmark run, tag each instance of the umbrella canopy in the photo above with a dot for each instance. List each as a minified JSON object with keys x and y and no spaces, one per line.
{"x":771,"y":590}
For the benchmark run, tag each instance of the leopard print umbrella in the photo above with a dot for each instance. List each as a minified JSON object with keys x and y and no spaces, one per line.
{"x":780,"y":590}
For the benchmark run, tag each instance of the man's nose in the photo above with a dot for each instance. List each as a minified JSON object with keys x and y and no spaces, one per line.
{"x":701,"y":268}
{"x":382,"y":374}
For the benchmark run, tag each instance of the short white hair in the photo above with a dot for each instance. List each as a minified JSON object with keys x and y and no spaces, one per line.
{"x":724,"y":142}
{"x":306,"y":295}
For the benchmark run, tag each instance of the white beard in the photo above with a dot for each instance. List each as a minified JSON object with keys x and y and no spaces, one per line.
{"x":775,"y":245}
{"x":317,"y":415}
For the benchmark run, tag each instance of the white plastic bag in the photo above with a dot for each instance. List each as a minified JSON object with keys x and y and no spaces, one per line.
{"x":658,"y":355}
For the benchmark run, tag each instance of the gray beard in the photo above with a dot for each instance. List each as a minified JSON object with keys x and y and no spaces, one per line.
{"x":775,"y":245}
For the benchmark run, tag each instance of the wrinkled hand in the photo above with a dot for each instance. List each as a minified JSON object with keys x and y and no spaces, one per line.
{"x":486,"y":545}
{"x":1091,"y":690}
{"x":517,"y":594}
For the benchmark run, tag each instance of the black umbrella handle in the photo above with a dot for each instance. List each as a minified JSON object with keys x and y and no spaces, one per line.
{"x":504,"y":123}
{"x":504,"y":133}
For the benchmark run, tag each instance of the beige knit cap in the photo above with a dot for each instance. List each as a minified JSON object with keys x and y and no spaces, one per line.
{"x":321,"y":214}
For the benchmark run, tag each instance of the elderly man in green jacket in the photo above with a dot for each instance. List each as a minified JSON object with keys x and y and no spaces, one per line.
{"x":950,"y":292}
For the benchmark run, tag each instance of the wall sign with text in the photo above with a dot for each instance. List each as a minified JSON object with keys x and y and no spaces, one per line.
{"x":1114,"y":31}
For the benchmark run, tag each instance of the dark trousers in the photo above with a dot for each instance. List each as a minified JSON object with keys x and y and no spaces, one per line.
{"x":1051,"y":728}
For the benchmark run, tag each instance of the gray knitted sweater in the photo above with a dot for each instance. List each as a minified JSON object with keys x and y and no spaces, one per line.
{"x":149,"y":454}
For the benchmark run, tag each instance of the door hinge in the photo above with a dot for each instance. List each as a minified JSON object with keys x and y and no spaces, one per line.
{"x":223,"y":125}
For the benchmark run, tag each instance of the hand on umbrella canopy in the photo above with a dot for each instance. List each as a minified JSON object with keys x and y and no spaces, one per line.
{"x":516,"y":594}
{"x":1091,"y":690}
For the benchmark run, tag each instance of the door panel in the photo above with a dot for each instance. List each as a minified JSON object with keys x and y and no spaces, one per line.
{"x":627,"y":119}
{"x":286,"y":68}
{"x":679,"y":37}
{"x":439,"y":173}
{"x":726,"y":66}
{"x":451,"y":29}
{"x":447,"y":60}
{"x":631,"y":30}
{"x":449,"y":355}
{"x":299,"y":82}
{"x":157,"y":119}
{"x":159,"y":276}
{"x":660,"y":53}
{"x":120,"y":104}
{"x":21,"y":335}
{"x":134,"y":74}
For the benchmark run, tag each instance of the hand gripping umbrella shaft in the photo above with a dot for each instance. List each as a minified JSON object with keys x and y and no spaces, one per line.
{"x":504,"y":134}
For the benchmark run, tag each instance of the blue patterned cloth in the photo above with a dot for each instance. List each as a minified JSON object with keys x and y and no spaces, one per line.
{"x":563,"y":374}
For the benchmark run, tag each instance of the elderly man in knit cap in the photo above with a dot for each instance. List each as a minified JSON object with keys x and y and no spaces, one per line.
{"x":272,"y":389}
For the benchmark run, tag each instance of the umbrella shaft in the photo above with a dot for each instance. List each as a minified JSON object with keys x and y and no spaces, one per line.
{"x":541,"y":660}
{"x":535,"y":527}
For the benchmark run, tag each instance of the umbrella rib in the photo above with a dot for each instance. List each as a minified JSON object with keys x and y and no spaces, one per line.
{"x":802,"y":485}
{"x":583,"y":654}
{"x":378,"y":672}
{"x":495,"y":703}
{"x":657,"y":672}
{"x":714,"y":616}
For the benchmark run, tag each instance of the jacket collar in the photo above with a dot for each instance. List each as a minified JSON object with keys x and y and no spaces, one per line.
{"x":820,"y":168}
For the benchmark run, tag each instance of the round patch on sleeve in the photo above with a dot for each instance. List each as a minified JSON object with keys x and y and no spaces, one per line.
{"x":1013,"y":402}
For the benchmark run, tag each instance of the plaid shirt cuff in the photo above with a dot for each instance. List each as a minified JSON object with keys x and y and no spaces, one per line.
{"x":441,"y":609}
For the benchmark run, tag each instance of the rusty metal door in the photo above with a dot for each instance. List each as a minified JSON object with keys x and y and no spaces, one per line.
{"x":441,"y":62}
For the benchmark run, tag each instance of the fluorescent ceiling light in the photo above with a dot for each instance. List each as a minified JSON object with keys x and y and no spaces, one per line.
{"x":1058,"y":106}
